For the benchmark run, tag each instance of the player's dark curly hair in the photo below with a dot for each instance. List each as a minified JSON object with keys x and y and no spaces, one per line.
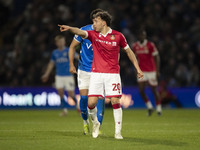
{"x":94,"y":12}
{"x":104,"y":16}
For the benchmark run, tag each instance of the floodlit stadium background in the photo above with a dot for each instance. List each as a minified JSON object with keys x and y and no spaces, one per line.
{"x":28,"y":28}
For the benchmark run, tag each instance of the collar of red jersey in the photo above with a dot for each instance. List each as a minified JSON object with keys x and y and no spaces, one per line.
{"x":109,"y":31}
{"x":144,"y":43}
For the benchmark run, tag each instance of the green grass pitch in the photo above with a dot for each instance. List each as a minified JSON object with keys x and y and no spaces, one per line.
{"x":45,"y":130}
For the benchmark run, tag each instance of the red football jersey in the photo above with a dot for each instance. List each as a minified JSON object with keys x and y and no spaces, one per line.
{"x":145,"y":53}
{"x":106,"y":50}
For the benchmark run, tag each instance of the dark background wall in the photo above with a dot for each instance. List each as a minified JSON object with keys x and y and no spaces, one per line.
{"x":28,"y":28}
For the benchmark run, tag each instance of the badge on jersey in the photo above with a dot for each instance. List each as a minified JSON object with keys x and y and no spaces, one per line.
{"x":112,"y":37}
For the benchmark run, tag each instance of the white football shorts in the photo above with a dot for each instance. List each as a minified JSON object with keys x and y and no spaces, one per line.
{"x":66,"y":82}
{"x":83,"y":79}
{"x":149,"y":77}
{"x":105,"y":85}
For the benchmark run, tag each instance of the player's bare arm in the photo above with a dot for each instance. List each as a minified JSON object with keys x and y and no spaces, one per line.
{"x":73,"y":30}
{"x":45,"y":76}
{"x":134,"y":61}
{"x":72,"y":50}
{"x":157,"y":61}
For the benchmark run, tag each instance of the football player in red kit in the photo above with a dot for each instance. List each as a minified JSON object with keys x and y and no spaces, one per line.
{"x":105,"y":79}
{"x":149,"y":62}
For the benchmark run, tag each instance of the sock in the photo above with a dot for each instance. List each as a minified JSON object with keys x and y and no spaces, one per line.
{"x":85,"y":122}
{"x":83,"y":108}
{"x":117,"y":112}
{"x":63,"y":103}
{"x":100,"y":110}
{"x":92,"y":111}
{"x":158,"y":106}
{"x":75,"y":100}
{"x":148,"y":104}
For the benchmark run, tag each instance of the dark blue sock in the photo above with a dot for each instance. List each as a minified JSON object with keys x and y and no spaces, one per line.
{"x":63,"y":103}
{"x":75,"y":100}
{"x":100,"y":110}
{"x":83,"y":107}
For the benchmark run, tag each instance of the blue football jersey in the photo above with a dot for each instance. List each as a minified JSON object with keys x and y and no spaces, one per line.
{"x":86,"y":52}
{"x":61,"y":60}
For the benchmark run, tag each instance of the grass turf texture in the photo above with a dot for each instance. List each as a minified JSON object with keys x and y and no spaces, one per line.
{"x":44,"y":129}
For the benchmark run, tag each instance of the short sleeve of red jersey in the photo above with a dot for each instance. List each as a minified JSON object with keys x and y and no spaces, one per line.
{"x":123,"y":43}
{"x":89,"y":34}
{"x":154,"y":50}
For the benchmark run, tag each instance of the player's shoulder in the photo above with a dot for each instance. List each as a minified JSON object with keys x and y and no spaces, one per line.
{"x":150,"y":43}
{"x":55,"y":51}
{"x":116,"y":32}
{"x":87,"y":27}
{"x":136,"y":43}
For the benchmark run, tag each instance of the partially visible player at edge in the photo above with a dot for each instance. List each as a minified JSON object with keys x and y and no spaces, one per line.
{"x":64,"y":80}
{"x":84,"y":71}
{"x":105,"y":78}
{"x":149,"y":63}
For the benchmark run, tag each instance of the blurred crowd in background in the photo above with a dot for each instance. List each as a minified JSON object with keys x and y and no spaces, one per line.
{"x":28,"y":28}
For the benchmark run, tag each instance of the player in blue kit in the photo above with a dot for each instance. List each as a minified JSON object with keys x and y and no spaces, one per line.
{"x":84,"y":71}
{"x":64,"y":80}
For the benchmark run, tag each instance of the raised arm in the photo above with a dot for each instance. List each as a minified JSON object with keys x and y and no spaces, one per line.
{"x":73,"y":30}
{"x":134,"y":61}
{"x":72,"y":50}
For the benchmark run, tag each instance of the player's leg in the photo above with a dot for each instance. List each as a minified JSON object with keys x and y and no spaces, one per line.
{"x":60,"y":89}
{"x":70,"y":87}
{"x":100,"y":110}
{"x":154,"y":83}
{"x":157,"y":99}
{"x":72,"y":95}
{"x":92,"y":102}
{"x":117,"y":113}
{"x":61,"y":94}
{"x":141,"y":85}
{"x":96,"y":90}
{"x":84,"y":111}
{"x":83,"y":85}
{"x":63,"y":103}
{"x":113,"y":90}
{"x":148,"y":103}
{"x":92,"y":110}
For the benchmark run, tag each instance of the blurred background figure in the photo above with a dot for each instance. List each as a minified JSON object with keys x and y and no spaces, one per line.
{"x":167,"y":97}
{"x":149,"y":62}
{"x":64,"y":80}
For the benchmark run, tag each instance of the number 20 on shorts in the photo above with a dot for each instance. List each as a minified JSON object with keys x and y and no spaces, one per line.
{"x":116,"y":86}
